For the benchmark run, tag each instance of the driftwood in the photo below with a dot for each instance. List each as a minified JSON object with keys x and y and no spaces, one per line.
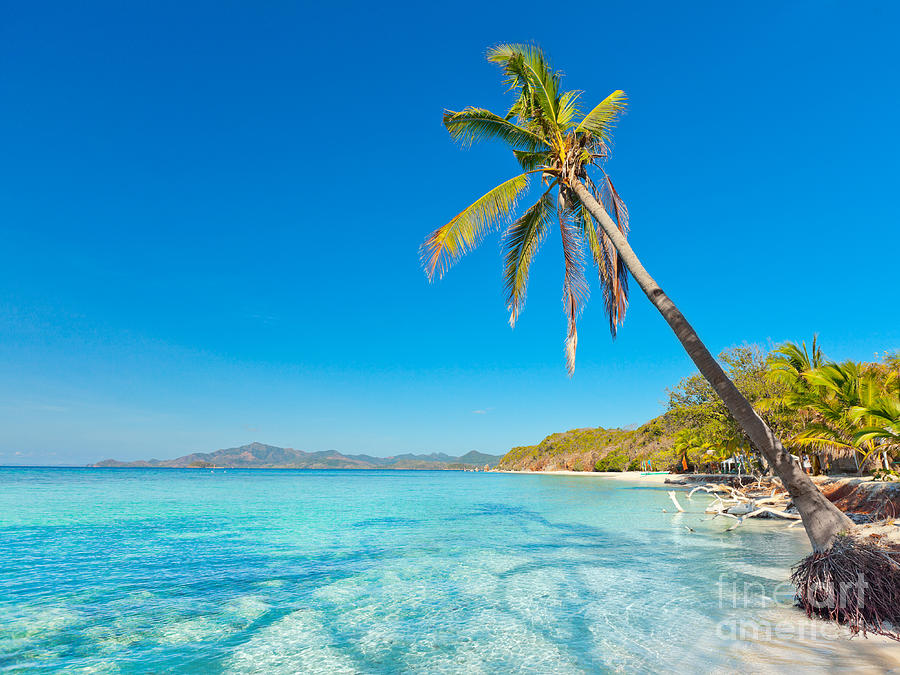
{"x":754,"y":500}
{"x":780,"y":514}
{"x":740,"y":503}
{"x":705,"y":488}
{"x":675,"y":501}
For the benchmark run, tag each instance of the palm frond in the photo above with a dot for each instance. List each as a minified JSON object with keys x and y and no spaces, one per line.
{"x":882,"y":417}
{"x":446,"y":244}
{"x":520,"y":243}
{"x":529,"y":161}
{"x":568,"y":109}
{"x":504,"y":54}
{"x":790,"y":360}
{"x":601,"y":120}
{"x":575,"y":287}
{"x":889,"y":436}
{"x":477,"y":124}
{"x":612,"y":272}
{"x":615,"y":206}
{"x":527,"y":69}
{"x":613,"y":203}
{"x":883,"y":410}
{"x":840,"y":378}
{"x":821,"y":436}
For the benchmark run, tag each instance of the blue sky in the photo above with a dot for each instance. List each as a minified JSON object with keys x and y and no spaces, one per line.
{"x":211,"y":214}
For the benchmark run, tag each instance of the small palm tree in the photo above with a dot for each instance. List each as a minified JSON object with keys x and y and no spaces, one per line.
{"x":552,"y":139}
{"x":882,"y":425}
{"x":687,"y":443}
{"x":787,"y":366}
{"x":852,"y":412}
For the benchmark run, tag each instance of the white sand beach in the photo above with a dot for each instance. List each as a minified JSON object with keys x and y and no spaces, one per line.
{"x":630,"y":476}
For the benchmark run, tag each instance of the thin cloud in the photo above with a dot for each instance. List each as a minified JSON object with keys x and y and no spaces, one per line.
{"x":479,"y":412}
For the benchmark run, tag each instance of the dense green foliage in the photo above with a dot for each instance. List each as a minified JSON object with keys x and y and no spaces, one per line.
{"x":841,"y":409}
{"x":830,"y":412}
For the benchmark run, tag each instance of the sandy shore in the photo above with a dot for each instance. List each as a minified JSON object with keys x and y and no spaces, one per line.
{"x":630,"y":476}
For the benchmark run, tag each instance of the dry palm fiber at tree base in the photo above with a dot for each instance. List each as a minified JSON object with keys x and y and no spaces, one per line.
{"x":855,"y":583}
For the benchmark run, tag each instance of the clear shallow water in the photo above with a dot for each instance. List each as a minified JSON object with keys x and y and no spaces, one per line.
{"x":337,"y":571}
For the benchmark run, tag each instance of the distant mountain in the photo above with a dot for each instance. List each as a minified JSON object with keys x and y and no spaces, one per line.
{"x":261,"y":456}
{"x":478,"y":458}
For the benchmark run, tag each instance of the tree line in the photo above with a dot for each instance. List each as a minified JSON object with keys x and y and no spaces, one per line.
{"x":830,"y":415}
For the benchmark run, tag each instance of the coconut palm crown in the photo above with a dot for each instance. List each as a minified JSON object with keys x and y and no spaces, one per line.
{"x":552,"y":138}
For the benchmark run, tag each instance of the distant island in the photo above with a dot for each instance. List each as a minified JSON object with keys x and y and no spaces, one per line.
{"x":261,"y":456}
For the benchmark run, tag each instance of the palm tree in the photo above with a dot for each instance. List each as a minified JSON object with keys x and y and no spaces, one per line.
{"x":788,"y":363}
{"x":687,"y":443}
{"x":852,"y":412}
{"x":882,"y":419}
{"x":551,"y":138}
{"x":787,"y":366}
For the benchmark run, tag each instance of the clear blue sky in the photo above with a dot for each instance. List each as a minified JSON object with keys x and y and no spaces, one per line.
{"x":211,"y":214}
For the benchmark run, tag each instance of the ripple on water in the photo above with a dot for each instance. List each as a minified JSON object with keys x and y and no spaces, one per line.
{"x":325,"y":572}
{"x":297,"y":643}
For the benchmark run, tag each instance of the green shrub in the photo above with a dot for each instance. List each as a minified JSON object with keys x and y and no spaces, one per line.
{"x":612,"y":462}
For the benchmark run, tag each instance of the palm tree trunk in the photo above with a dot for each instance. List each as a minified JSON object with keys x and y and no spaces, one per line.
{"x":822,"y":519}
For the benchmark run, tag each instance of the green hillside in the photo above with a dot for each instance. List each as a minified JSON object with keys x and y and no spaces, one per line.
{"x":596,"y":449}
{"x":841,"y":416}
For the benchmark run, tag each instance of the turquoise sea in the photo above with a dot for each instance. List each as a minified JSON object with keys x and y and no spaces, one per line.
{"x":178,"y":571}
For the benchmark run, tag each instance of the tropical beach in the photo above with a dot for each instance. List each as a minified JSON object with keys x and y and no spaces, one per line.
{"x":272,"y":399}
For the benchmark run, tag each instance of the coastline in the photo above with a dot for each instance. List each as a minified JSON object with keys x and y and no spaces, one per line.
{"x":629,"y":476}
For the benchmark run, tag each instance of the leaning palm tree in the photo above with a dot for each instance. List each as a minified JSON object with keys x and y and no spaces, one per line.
{"x":553,"y":140}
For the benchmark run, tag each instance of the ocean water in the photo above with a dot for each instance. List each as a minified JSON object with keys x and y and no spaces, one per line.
{"x":183,"y":571}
